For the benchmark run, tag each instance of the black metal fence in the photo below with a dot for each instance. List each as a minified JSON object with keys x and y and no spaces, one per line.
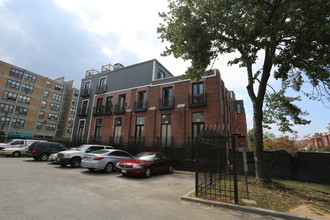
{"x":215,"y":171}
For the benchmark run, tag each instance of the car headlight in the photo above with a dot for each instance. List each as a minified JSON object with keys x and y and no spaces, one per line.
{"x":137,"y":166}
{"x":67,"y":155}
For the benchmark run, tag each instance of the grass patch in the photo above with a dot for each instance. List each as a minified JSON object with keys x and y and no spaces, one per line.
{"x":284,"y":195}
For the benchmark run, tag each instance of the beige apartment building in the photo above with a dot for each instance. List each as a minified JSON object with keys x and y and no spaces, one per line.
{"x":34,"y":106}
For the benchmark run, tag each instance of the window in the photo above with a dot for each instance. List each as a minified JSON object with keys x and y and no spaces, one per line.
{"x":41,"y":114}
{"x":27,"y":88}
{"x":21,"y":110}
{"x":4,"y":120}
{"x":80,"y":134}
{"x":17,"y":73}
{"x":98,"y":109}
{"x":30,"y":77}
{"x":76,"y":93}
{"x":142,"y":100}
{"x":72,"y":111}
{"x":166,"y":130}
{"x":57,"y":97}
{"x":48,"y":84}
{"x":50,"y":127}
{"x":121,"y":107}
{"x":101,"y":87}
{"x":86,"y":89}
{"x":74,"y":101}
{"x":108,"y":105}
{"x":167,"y":100}
{"x":13,"y":84}
{"x":84,"y":108}
{"x":160,"y":74}
{"x":43,"y":104}
{"x":6,"y":107}
{"x":197,"y":125}
{"x":54,"y":106}
{"x":10,"y":95}
{"x":198,"y":97}
{"x":139,"y":130}
{"x":24,"y":99}
{"x":117,"y":130}
{"x":19,"y":123}
{"x":97,"y":134}
{"x":52,"y":116}
{"x":59,"y":87}
{"x":38,"y":125}
{"x":46,"y":94}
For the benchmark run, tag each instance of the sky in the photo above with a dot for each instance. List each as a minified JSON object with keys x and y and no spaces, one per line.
{"x":58,"y":38}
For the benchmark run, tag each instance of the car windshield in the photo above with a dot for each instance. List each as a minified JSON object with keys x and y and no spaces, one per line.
{"x":100,"y":151}
{"x":83,"y":148}
{"x":145,"y":156}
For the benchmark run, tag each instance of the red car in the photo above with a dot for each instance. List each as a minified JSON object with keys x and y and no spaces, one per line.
{"x":146,"y":164}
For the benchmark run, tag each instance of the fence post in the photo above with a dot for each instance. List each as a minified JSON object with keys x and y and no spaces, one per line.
{"x":234,"y":170}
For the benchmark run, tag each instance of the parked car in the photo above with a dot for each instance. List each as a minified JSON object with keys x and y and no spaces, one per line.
{"x":104,"y":159}
{"x":17,"y":143}
{"x":146,"y":164}
{"x":14,"y":151}
{"x":53,"y":158}
{"x":73,"y":157}
{"x":42,"y":150}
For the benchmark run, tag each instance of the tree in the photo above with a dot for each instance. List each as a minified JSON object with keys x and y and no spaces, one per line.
{"x":292,"y":35}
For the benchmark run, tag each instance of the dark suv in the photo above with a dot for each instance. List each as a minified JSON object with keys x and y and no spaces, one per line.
{"x":42,"y":150}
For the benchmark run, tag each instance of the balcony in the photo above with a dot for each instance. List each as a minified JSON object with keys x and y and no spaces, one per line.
{"x":85,"y":92}
{"x":166,"y":103}
{"x":197,"y":100}
{"x":108,"y":109}
{"x":101,"y":89}
{"x":98,"y":110}
{"x":82,"y":112}
{"x":120,"y":109}
{"x":140,"y":106}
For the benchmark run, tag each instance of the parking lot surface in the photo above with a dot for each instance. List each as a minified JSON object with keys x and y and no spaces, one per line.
{"x":38,"y":190}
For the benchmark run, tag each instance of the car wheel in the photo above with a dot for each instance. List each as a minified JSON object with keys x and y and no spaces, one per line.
{"x":44,"y":157}
{"x":16,"y":154}
{"x":109,"y":168}
{"x":147,"y":174}
{"x":75,"y":162}
{"x":91,"y":169}
{"x":170,"y":169}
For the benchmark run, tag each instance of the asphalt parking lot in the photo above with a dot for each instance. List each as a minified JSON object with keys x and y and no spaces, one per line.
{"x":38,"y":190}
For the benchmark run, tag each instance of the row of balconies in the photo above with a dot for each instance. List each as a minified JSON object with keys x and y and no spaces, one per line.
{"x":163,"y":104}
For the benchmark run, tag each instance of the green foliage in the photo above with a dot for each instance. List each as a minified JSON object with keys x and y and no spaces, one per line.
{"x":280,"y":109}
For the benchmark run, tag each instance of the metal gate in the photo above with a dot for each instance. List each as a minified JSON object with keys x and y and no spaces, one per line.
{"x":215,"y":168}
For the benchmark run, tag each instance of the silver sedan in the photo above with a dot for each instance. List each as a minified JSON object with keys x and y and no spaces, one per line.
{"x":104,"y":159}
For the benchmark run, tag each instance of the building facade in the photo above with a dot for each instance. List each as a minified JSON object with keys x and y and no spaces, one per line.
{"x":34,"y":106}
{"x":145,"y":104}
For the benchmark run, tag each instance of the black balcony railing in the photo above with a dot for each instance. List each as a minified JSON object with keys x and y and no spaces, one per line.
{"x":82,"y":112}
{"x":197,"y":100}
{"x":108,"y":109}
{"x":166,"y":103}
{"x":85,"y":92}
{"x":98,"y":110}
{"x":120,"y":109}
{"x":101,"y":88}
{"x":140,"y":106}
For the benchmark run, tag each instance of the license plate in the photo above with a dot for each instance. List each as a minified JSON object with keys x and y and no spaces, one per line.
{"x":123,"y":171}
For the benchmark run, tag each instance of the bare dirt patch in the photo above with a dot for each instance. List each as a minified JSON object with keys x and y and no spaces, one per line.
{"x":309,"y":211}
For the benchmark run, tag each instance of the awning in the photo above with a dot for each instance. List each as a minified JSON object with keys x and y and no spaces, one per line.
{"x":13,"y":134}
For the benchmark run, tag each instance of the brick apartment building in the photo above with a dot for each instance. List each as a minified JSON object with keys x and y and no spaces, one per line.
{"x":145,"y":104}
{"x":34,"y":106}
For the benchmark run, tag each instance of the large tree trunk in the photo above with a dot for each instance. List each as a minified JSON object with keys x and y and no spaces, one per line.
{"x":260,"y":163}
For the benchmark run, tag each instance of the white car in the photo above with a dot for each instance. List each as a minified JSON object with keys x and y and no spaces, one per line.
{"x":14,"y":151}
{"x":73,"y":157}
{"x":104,"y":159}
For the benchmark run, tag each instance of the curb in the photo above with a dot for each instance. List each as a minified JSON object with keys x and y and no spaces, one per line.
{"x":245,"y":208}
